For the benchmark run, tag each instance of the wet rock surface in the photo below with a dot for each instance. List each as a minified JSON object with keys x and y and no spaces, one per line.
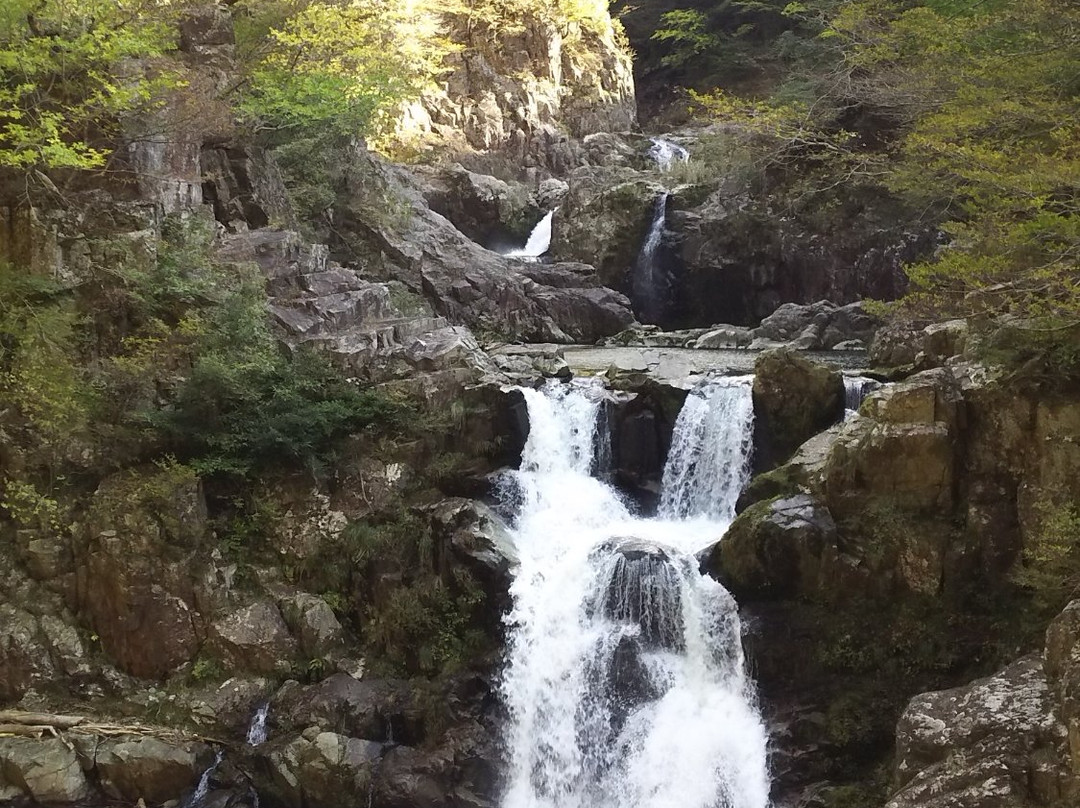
{"x":558,"y":302}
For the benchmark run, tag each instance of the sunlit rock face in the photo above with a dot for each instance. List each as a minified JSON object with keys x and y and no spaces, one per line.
{"x":514,"y":97}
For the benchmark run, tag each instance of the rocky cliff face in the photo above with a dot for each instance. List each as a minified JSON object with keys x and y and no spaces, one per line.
{"x":736,"y":245}
{"x":518,"y":94}
{"x":875,"y":563}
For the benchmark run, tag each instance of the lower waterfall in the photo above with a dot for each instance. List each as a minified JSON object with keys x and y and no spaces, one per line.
{"x":709,"y":462}
{"x":625,"y":683}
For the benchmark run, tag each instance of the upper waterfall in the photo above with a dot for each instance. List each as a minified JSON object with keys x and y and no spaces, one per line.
{"x":666,"y":153}
{"x":856,"y":389}
{"x":539,"y":241}
{"x":626,"y":683}
{"x":648,"y":283}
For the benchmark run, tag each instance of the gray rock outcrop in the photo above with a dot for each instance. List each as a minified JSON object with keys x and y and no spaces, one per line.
{"x":794,"y":399}
{"x":465,"y":283}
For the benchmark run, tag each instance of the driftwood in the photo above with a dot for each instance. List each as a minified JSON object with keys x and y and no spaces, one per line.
{"x":40,"y":719}
{"x":17,"y":722}
{"x":36,"y":730}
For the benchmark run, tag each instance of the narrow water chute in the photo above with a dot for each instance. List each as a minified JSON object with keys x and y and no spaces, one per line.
{"x":539,"y":241}
{"x":649,"y":285}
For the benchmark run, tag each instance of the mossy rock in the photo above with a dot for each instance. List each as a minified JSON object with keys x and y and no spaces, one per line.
{"x":775,"y":549}
{"x":794,"y":399}
{"x":786,"y":481}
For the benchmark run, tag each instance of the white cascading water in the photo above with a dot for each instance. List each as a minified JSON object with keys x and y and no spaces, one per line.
{"x":709,"y":462}
{"x":202,"y":790}
{"x":856,"y":389}
{"x":256,"y":733}
{"x":648,"y":285}
{"x":665,"y":153}
{"x":625,"y":683}
{"x":539,"y":241}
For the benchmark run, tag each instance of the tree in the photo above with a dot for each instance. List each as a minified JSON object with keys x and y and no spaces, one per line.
{"x":70,"y":68}
{"x":974,"y":111}
{"x":337,"y":66}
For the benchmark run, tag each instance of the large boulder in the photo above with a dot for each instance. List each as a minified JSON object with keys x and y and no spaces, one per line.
{"x":374,"y":709}
{"x":794,"y":399}
{"x":902,"y":448}
{"x":995,"y":743}
{"x":781,"y":548}
{"x":817,"y":326}
{"x":903,"y":344}
{"x":44,"y":771}
{"x":146,"y":768}
{"x":254,"y":638}
{"x":485,"y":208}
{"x":313,"y":623}
{"x":461,"y":770}
{"x":319,"y":770}
{"x":1061,"y":660}
{"x":470,"y":533}
{"x":136,"y":567}
{"x":413,"y":747}
{"x":24,"y":658}
{"x":802,"y":473}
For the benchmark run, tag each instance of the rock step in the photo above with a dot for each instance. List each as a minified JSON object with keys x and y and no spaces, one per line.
{"x":304,"y":317}
{"x":333,"y":280}
{"x":398,"y":350}
{"x":280,"y":254}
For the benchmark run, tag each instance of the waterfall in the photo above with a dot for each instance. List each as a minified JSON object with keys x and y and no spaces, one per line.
{"x":539,"y":239}
{"x":625,"y":682}
{"x":665,"y":153}
{"x":709,"y":462}
{"x":256,"y":733}
{"x":648,"y":286}
{"x":198,"y":796}
{"x":856,"y":389}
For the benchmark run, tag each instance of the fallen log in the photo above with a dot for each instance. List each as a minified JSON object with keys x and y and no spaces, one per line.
{"x":27,"y":729}
{"x":41,"y":719}
{"x":17,"y":722}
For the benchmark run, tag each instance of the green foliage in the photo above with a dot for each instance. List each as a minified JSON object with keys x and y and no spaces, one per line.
{"x":67,"y":74}
{"x":241,"y":403}
{"x":337,"y":67}
{"x":39,"y":370}
{"x":207,"y":669}
{"x":993,"y":100}
{"x":686,"y":32}
{"x":396,"y":540}
{"x":1051,"y":560}
{"x":722,"y":43}
{"x":28,"y":507}
{"x":968,"y":112}
{"x":244,"y":524}
{"x":235,"y":414}
{"x":507,"y":15}
{"x":428,"y":626}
